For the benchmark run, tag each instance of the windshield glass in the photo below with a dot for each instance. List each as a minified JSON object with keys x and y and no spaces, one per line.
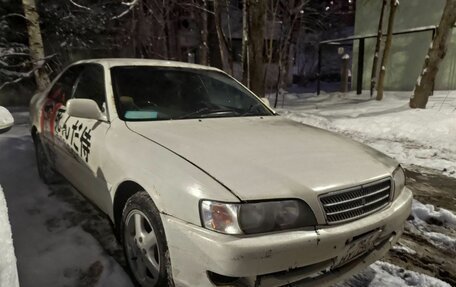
{"x":161,"y":93}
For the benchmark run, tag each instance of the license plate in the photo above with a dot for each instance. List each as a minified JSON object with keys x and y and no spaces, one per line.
{"x":359,"y":247}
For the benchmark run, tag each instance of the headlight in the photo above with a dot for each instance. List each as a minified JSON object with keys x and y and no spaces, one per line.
{"x":399,"y":181}
{"x":260,"y":217}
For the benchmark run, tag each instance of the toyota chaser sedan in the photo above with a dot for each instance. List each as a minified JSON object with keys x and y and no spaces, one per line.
{"x":206,"y":185}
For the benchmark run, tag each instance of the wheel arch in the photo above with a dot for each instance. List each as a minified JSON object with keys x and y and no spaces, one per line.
{"x":124,"y":191}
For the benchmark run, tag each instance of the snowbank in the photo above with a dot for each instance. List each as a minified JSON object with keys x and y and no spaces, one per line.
{"x":382,"y":274}
{"x":391,"y":275}
{"x":425,"y":220}
{"x":419,"y":137}
{"x":428,"y":214}
{"x":8,"y":271}
{"x":403,"y":249}
{"x":6,"y":119}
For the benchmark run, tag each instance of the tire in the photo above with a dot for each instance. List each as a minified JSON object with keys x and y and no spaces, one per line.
{"x":45,"y":169}
{"x":144,"y":242}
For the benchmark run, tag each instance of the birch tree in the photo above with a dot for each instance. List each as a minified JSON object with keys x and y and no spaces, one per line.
{"x":225,"y":52}
{"x":36,"y":47}
{"x":435,"y":55}
{"x":377,"y":48}
{"x":387,"y":51}
{"x":203,"y":47}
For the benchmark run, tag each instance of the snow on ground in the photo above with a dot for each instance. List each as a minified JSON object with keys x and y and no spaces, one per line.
{"x":429,"y":214}
{"x":418,"y":137}
{"x":403,"y":249}
{"x":6,"y":118}
{"x":8,"y":271}
{"x":425,"y":217}
{"x":382,"y":274}
{"x":52,"y":248}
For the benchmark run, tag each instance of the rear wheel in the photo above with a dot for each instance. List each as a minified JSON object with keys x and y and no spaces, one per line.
{"x":144,"y":242}
{"x":45,"y":170}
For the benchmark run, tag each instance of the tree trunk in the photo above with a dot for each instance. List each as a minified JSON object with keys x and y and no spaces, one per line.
{"x":386,"y":52}
{"x":288,"y":39}
{"x":203,"y":48}
{"x":256,"y":19}
{"x":270,"y":41}
{"x":35,"y":43}
{"x":245,"y":44}
{"x":377,"y":48}
{"x":223,"y":45}
{"x":436,"y":54}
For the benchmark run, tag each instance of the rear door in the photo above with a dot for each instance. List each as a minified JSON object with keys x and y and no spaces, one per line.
{"x":50,"y":111}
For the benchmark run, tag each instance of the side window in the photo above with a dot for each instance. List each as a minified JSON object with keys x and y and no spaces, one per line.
{"x":91,"y":85}
{"x":62,"y":89}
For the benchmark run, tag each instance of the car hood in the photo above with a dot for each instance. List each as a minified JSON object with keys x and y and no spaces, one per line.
{"x":269,"y":157}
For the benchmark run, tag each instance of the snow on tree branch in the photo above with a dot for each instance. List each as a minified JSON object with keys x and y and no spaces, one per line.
{"x":14,"y":15}
{"x":130,"y":5}
{"x":19,"y":76}
{"x":79,"y":5}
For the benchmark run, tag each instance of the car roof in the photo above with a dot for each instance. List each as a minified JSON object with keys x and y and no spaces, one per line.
{"x":115,"y":62}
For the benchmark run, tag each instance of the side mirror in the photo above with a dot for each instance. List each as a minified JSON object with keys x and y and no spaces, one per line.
{"x":265,"y":101}
{"x":84,"y":108}
{"x":6,"y":120}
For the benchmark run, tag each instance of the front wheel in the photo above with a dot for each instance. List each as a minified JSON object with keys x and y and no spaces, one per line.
{"x":144,"y":242}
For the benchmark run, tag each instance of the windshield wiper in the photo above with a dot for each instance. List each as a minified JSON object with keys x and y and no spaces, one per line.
{"x":204,"y":112}
{"x":250,"y":110}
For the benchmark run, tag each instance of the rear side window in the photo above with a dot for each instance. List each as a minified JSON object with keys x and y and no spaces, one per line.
{"x":63,"y":88}
{"x":91,"y":85}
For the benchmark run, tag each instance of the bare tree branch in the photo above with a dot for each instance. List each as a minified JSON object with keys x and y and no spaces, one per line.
{"x":196,"y":6}
{"x":14,"y":54}
{"x":14,"y":15}
{"x":24,"y":76}
{"x":23,"y":64}
{"x":80,"y":6}
{"x":130,"y":5}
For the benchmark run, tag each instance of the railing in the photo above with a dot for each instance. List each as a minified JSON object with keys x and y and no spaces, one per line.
{"x":361,"y":45}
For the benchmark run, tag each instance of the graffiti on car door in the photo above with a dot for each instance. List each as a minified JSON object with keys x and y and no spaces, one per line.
{"x":74,"y":133}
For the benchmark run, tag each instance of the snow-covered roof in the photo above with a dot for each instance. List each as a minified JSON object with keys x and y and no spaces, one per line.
{"x":113,"y":62}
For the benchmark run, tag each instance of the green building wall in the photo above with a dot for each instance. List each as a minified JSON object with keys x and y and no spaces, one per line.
{"x":408,"y":50}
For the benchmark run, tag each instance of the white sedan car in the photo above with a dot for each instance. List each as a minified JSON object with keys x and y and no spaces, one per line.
{"x":208,"y":186}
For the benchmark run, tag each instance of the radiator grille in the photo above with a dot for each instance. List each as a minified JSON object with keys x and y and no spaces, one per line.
{"x":356,"y":202}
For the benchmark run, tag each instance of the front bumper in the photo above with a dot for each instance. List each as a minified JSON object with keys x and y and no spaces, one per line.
{"x":280,"y":258}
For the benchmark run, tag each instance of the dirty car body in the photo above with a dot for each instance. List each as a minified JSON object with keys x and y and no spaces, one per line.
{"x":245,"y":197}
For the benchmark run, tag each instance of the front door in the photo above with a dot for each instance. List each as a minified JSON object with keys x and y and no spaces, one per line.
{"x":83,"y":140}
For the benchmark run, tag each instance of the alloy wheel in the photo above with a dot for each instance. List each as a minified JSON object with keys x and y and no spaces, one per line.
{"x":142,"y":249}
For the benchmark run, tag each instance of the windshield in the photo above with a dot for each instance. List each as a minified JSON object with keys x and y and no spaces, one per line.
{"x":145,"y":93}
